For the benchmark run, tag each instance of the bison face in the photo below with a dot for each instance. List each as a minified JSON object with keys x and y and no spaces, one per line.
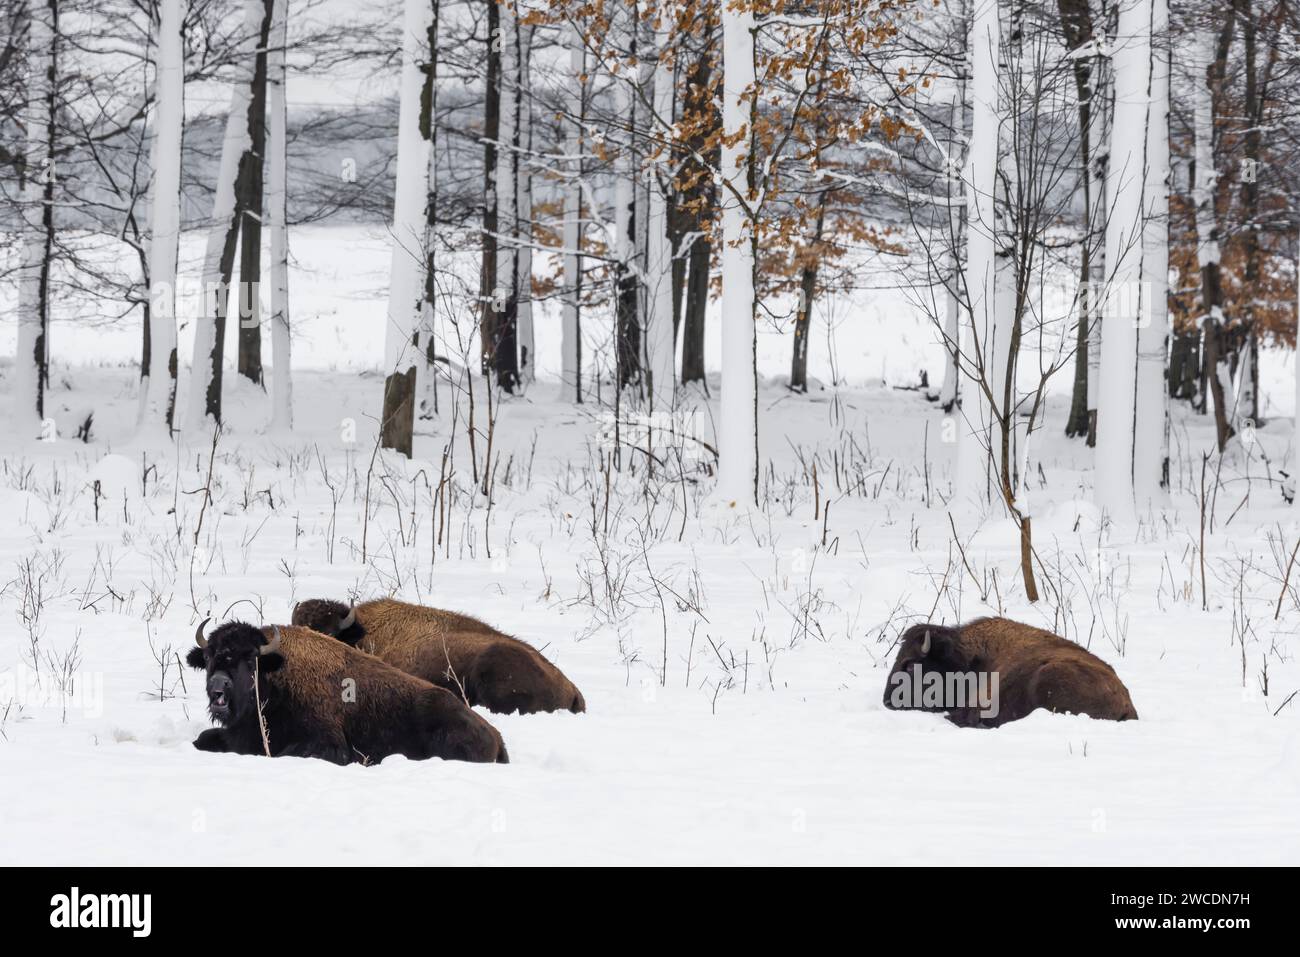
{"x":234,"y":654}
{"x":923,"y":650}
{"x":331,"y":618}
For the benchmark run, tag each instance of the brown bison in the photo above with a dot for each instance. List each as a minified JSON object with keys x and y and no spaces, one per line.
{"x":322,"y":699}
{"x":454,"y":651}
{"x":994,"y":670}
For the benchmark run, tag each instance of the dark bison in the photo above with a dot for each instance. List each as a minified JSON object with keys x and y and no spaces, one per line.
{"x":454,"y":651}
{"x":322,"y":699}
{"x":1021,"y":668}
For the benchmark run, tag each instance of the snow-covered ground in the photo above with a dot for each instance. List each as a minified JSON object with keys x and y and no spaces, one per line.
{"x":733,"y":663}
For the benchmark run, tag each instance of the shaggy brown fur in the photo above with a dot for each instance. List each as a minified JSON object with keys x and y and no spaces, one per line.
{"x":1035,"y":669}
{"x":323,"y":699}
{"x":462,"y":654}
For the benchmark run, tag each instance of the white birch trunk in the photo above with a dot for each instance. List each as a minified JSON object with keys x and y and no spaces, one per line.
{"x":1207,"y":249}
{"x":1203,"y":191}
{"x":640,"y":119}
{"x":277,"y":196}
{"x":158,"y":388}
{"x":956,"y":226}
{"x":31,"y":363}
{"x":205,"y":372}
{"x":406,"y":278}
{"x":506,"y":296}
{"x":524,"y":171}
{"x":571,"y":324}
{"x":624,"y":245}
{"x":659,"y":318}
{"x":1151,"y":421}
{"x":975,"y":422}
{"x":951,"y":339}
{"x":1099,"y":140}
{"x":1243,"y":412}
{"x":428,"y":331}
{"x":1127,"y":305}
{"x":1294,"y":478}
{"x":738,"y":423}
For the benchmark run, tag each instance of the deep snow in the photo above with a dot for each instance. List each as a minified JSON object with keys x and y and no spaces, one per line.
{"x":733,"y":665}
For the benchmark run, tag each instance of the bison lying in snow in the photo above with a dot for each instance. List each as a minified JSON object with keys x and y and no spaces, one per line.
{"x":322,"y":699}
{"x":456,"y":652}
{"x":1019,"y":667}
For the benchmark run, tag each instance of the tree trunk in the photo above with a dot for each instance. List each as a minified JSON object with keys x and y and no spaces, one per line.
{"x":1185,"y":366}
{"x":803,"y":317}
{"x":659,"y":340}
{"x":1294,"y":462}
{"x":699,"y":259}
{"x":678,"y":271}
{"x":396,"y":430}
{"x":949,"y":388}
{"x":738,"y":424}
{"x":406,"y":289}
{"x":277,"y":219}
{"x":491,"y":131}
{"x":1248,"y":391}
{"x":427,"y":334}
{"x":975,"y":449}
{"x":249,"y":189}
{"x":505,"y":299}
{"x":571,"y":328}
{"x":1210,"y":67}
{"x":1247,"y":411}
{"x":1076,"y":22}
{"x":1151,"y":412}
{"x":157,"y":411}
{"x":32,"y":362}
{"x":1128,"y":304}
{"x":524,"y":221}
{"x":1101,"y":122}
{"x":223,"y":231}
{"x":627,"y":294}
{"x":697,"y":205}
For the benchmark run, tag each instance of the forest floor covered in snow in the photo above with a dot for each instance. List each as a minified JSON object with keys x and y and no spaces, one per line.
{"x":733,"y":662}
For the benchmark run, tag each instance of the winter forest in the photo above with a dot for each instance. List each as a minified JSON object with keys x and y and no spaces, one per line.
{"x":706,"y":347}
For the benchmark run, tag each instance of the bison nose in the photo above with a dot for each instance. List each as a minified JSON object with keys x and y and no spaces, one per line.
{"x":219,"y":692}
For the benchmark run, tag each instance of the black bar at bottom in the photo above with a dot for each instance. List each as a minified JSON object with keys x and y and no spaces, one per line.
{"x":147,"y":905}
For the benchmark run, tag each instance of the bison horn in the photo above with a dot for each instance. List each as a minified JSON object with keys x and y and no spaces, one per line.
{"x":198,"y":634}
{"x":272,"y":646}
{"x":925,"y":643}
{"x":348,"y":620}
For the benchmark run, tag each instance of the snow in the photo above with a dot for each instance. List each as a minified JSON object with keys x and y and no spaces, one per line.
{"x":775,"y":749}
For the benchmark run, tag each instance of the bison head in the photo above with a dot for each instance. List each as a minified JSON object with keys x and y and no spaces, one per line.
{"x":931,"y":648}
{"x":331,"y":618}
{"x":232,"y":656}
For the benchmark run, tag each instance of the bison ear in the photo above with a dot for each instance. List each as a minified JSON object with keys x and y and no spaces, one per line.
{"x":943,"y":644}
{"x":934,"y":642}
{"x":195,"y":659}
{"x":268,"y":656}
{"x":270,"y":659}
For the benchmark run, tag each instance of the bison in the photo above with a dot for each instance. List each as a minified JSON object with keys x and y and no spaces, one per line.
{"x":322,"y":699}
{"x":462,"y":654}
{"x":952,"y":670}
